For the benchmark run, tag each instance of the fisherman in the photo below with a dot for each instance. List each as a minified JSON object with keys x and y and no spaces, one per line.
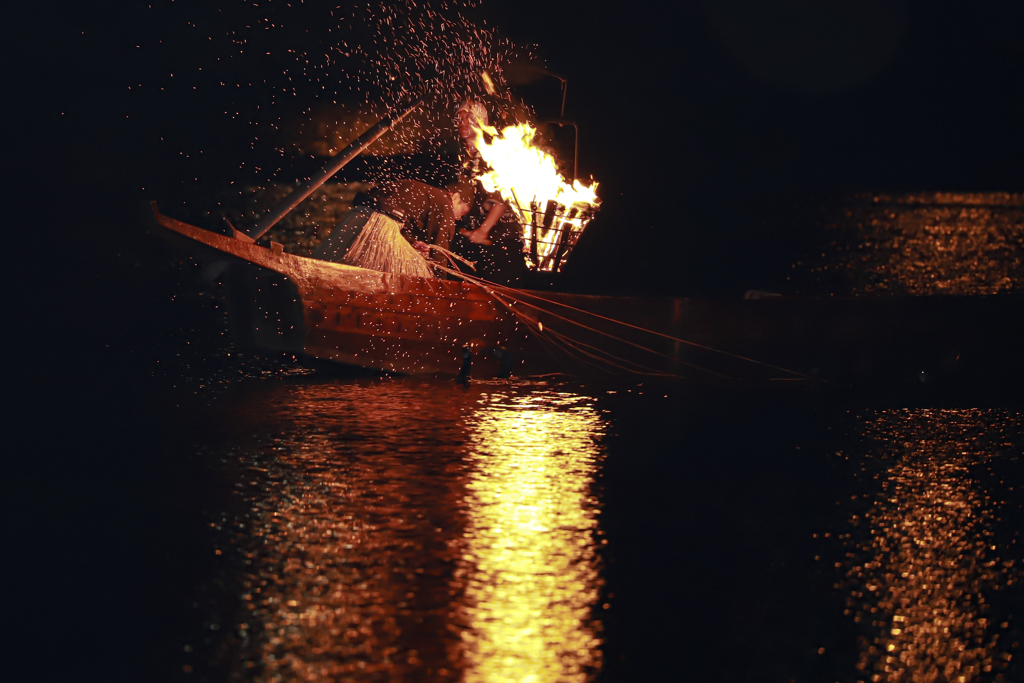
{"x":469,"y":116}
{"x":494,"y":244}
{"x":428,"y":213}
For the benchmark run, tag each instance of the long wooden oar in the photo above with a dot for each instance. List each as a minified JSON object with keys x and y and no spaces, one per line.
{"x":307,"y":188}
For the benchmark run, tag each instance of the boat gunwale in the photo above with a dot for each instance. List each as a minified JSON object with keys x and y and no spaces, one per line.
{"x":312,"y":275}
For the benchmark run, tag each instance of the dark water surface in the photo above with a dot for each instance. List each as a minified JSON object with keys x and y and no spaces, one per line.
{"x":920,"y":244}
{"x":276,"y":522}
{"x":541,"y":531}
{"x":399,"y":529}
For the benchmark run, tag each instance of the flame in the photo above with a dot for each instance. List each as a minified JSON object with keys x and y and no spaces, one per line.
{"x":528,"y":180}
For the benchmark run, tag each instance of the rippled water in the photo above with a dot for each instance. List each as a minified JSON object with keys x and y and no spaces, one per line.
{"x":921,"y":244}
{"x":391,"y":529}
{"x":409,"y":529}
{"x":926,"y":560}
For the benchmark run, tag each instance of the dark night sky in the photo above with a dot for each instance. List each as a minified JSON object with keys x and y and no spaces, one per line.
{"x":709,"y":125}
{"x":731,"y":94}
{"x":864,"y":94}
{"x":688,"y":111}
{"x":678,"y":103}
{"x":705,"y":122}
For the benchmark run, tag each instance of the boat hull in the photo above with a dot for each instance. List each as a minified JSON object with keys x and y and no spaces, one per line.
{"x":352,"y":315}
{"x":373,"y":320}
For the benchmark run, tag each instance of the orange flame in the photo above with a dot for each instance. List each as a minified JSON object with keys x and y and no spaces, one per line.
{"x":527,"y":178}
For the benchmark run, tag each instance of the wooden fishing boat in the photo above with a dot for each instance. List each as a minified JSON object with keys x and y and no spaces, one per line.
{"x":351,"y":315}
{"x":282,"y":301}
{"x":369,"y":319}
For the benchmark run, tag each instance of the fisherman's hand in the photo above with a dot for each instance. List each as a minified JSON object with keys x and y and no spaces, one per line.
{"x":423,"y":248}
{"x":477,"y":236}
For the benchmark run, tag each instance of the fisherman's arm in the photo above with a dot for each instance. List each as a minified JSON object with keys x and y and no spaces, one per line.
{"x":480,"y":235}
{"x":441,"y":224}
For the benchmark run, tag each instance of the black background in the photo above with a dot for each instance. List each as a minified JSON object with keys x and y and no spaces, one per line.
{"x":715,"y":130}
{"x":709,"y":125}
{"x":718,"y":132}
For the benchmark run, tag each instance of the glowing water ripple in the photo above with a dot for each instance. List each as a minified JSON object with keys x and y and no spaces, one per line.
{"x":530,"y":564}
{"x":927,"y":561}
{"x":938,"y":243}
{"x":393,"y":534}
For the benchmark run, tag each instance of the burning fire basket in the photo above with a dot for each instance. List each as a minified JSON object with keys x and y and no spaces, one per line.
{"x":550,"y":234}
{"x":554,"y":213}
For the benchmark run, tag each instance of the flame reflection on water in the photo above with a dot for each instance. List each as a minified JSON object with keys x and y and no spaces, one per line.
{"x":927,"y":559}
{"x":530,"y":563}
{"x":395,"y":533}
{"x":938,"y":243}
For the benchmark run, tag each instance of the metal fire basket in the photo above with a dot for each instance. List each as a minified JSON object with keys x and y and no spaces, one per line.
{"x":550,"y":233}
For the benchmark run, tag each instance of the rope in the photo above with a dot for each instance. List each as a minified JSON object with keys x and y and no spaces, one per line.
{"x":643,"y":329}
{"x":491,"y":287}
{"x":644,"y":370}
{"x":452,"y":256}
{"x":539,"y":333}
{"x":575,"y":344}
{"x":626,"y":341}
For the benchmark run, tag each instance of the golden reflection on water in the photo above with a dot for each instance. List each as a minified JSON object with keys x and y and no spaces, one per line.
{"x":402,"y":531}
{"x":927,"y":559}
{"x":530,"y":562}
{"x":938,"y":243}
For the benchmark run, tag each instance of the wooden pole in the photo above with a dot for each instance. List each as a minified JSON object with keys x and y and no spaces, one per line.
{"x":307,"y":188}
